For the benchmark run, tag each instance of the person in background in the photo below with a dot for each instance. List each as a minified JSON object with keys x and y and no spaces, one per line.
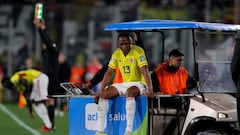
{"x":1,"y":77}
{"x":78,"y":69}
{"x":50,"y":54}
{"x":23,"y":53}
{"x":170,"y":77}
{"x":92,"y":68}
{"x":64,"y":73}
{"x":28,"y":64}
{"x":33,"y":84}
{"x":133,"y":66}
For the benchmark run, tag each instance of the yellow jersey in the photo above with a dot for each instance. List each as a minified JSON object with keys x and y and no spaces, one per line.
{"x":129,"y":65}
{"x":29,"y":75}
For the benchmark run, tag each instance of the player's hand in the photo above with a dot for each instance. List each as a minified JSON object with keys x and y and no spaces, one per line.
{"x":87,"y":85}
{"x":150,"y":94}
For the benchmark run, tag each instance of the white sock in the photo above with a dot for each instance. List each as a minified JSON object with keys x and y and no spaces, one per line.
{"x":130,"y":112}
{"x":41,"y":110}
{"x":102,"y":112}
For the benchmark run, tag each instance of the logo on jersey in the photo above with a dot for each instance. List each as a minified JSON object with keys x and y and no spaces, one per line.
{"x":131,"y":60}
{"x":142,"y":58}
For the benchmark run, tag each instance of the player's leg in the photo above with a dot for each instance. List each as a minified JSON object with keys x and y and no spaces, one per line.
{"x":103,"y":107}
{"x":51,"y":101}
{"x":39,"y":95}
{"x":131,"y":93}
{"x":41,"y":110}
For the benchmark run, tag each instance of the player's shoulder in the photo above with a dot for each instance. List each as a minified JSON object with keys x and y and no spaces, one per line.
{"x":117,"y":51}
{"x":137,"y":49}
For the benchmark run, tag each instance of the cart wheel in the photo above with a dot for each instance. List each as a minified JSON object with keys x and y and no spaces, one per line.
{"x":211,"y":132}
{"x":211,"y":128}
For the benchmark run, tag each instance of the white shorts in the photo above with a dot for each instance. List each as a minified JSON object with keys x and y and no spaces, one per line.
{"x":122,"y":87}
{"x":40,"y":88}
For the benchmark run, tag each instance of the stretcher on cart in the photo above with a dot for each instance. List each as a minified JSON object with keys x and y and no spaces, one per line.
{"x":76,"y":88}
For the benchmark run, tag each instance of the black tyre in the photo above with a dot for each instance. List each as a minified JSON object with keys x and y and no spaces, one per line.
{"x":211,"y":128}
{"x":212,"y":132}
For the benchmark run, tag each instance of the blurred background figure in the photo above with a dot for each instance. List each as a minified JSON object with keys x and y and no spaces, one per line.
{"x":1,"y":87}
{"x":64,"y":73}
{"x":94,"y":65}
{"x":23,"y":53}
{"x":78,"y":69}
{"x":28,"y":64}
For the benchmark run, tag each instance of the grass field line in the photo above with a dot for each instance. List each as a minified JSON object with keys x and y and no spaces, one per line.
{"x":18,"y":121}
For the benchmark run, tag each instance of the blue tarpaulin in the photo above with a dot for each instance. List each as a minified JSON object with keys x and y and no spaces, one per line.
{"x":170,"y":24}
